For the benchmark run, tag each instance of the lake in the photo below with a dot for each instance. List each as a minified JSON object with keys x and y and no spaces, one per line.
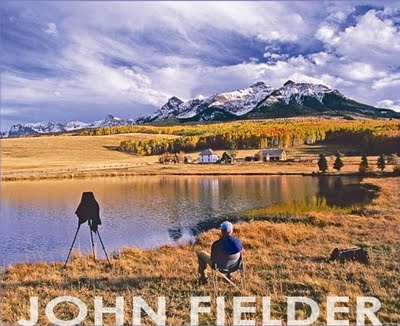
{"x":38,"y":220}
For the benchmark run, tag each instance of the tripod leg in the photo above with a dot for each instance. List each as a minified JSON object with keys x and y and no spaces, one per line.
{"x":73,"y":242}
{"x":91,"y":240}
{"x":104,"y":249}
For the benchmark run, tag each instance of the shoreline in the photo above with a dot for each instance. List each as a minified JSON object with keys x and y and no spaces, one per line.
{"x":20,"y":176}
{"x":119,"y":174}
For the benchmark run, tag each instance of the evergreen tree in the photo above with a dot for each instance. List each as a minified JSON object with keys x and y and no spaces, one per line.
{"x":381,"y":162}
{"x":338,"y":164}
{"x":363,"y":167}
{"x":322,"y":163}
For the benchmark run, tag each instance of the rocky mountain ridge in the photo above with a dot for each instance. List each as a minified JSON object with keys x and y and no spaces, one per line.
{"x":48,"y":127}
{"x":258,"y":101}
{"x":261,"y":101}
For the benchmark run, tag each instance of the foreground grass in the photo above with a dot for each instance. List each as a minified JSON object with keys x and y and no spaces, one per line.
{"x":282,"y":259}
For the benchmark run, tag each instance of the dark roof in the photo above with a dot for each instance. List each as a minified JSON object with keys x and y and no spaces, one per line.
{"x":207,"y":151}
{"x":226,"y":155}
{"x":272,"y":151}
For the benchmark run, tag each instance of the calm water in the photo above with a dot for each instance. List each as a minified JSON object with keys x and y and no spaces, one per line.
{"x":38,"y":222}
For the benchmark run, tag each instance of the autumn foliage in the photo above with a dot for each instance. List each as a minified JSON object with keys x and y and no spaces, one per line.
{"x":371,"y":136}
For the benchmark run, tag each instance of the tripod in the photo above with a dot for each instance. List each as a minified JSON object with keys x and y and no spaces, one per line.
{"x":92,"y":242}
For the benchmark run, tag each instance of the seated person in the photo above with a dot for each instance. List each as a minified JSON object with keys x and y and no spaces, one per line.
{"x":225,"y":252}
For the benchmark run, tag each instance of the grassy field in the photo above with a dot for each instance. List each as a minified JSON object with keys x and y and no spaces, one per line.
{"x":53,"y":155}
{"x":282,"y":259}
{"x":84,"y":156}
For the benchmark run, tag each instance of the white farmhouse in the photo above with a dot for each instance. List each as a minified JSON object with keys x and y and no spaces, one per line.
{"x":208,"y":156}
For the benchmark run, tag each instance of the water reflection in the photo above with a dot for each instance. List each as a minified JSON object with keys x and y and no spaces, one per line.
{"x":338,"y":193}
{"x":38,"y":221}
{"x":334,"y":194}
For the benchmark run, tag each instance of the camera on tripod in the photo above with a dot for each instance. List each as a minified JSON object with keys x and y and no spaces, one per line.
{"x":88,"y":211}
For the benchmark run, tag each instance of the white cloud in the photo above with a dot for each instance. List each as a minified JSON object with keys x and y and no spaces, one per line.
{"x":328,"y":33}
{"x":360,"y":71}
{"x":365,"y":54}
{"x":51,"y":29}
{"x":270,"y":21}
{"x":392,"y":80}
{"x":373,"y":39}
{"x":389,"y":104}
{"x":328,"y":30}
{"x":94,"y":82}
{"x":274,"y":56}
{"x":277,"y":35}
{"x":322,"y":58}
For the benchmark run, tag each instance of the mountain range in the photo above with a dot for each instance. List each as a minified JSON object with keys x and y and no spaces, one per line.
{"x":259,"y":101}
{"x":47,"y":127}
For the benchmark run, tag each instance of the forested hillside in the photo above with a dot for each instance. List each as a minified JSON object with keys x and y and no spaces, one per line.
{"x":370,"y":136}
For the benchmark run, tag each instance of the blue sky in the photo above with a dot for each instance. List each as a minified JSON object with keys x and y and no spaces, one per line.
{"x":66,"y":61}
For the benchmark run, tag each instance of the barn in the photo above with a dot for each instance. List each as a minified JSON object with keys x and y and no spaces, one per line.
{"x":272,"y":154}
{"x":226,"y":158}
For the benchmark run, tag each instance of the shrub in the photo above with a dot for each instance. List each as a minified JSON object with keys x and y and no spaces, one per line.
{"x":363,"y":167}
{"x":381,"y":162}
{"x":322,"y":163}
{"x":338,"y":164}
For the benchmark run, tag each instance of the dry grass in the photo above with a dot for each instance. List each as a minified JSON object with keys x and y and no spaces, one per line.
{"x":86,"y":156}
{"x":282,"y":259}
{"x":49,"y":155}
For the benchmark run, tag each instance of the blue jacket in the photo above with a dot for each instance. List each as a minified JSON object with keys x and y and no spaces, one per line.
{"x":225,"y":251}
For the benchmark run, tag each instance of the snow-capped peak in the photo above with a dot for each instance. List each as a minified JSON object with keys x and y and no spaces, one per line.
{"x":292,"y":92}
{"x":111,"y":121}
{"x":243,"y":100}
{"x":39,"y":124}
{"x":298,"y":91}
{"x":238,"y":102}
{"x":46,"y":127}
{"x":169,"y":109}
{"x":174,"y":101}
{"x":260,"y":84}
{"x":76,"y":125}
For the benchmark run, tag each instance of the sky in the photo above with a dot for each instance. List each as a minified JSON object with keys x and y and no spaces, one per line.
{"x":63,"y":61}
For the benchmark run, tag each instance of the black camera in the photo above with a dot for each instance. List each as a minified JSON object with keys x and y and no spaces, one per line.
{"x":89,"y":211}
